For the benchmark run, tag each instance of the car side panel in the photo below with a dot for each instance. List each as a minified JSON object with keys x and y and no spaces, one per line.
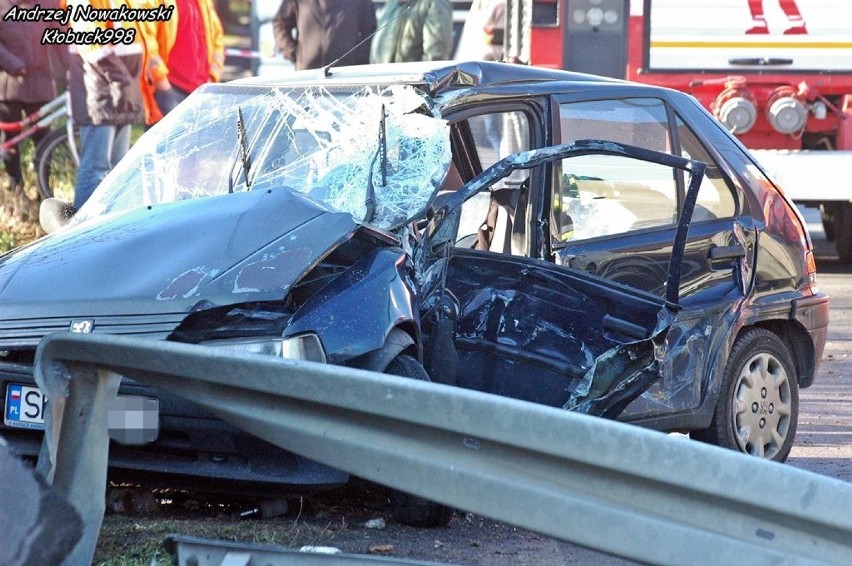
{"x":354,"y":314}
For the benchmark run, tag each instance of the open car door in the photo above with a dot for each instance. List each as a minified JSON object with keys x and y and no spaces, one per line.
{"x":529,"y":328}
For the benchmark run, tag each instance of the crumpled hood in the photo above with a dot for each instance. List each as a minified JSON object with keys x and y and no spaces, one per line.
{"x":227,"y":249}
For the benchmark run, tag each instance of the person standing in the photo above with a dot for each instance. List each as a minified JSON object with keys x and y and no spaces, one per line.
{"x":316,"y":33}
{"x":413,"y":30}
{"x":482,"y":35}
{"x":494,"y":29}
{"x":26,"y":82}
{"x":198,"y":53}
{"x":158,"y":38}
{"x":103,"y":81}
{"x":182,"y":53}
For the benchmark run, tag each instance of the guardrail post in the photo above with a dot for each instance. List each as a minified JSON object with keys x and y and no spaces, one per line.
{"x":73,"y":457}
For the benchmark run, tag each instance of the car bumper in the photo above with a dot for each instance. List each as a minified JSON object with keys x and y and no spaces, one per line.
{"x":191,"y":445}
{"x":812,"y":313}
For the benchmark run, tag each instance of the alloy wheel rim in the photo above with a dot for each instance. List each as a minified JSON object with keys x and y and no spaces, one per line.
{"x":763,"y":406}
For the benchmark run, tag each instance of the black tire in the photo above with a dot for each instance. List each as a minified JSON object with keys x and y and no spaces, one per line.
{"x":56,"y":166}
{"x":406,"y":508}
{"x":758,"y":405}
{"x":828,"y":216}
{"x":843,"y":232}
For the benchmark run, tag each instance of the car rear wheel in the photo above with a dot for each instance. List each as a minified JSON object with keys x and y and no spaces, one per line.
{"x":410,"y":509}
{"x":758,"y":405}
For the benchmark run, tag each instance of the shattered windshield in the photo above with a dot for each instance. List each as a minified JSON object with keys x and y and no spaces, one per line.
{"x":377,"y":153}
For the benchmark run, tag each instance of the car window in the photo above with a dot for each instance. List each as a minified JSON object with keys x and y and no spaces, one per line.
{"x":643,"y":122}
{"x":603,"y":195}
{"x":497,"y":135}
{"x":608,"y":195}
{"x":495,"y":221}
{"x":636,"y":121}
{"x":715,"y":197}
{"x":599,"y":189}
{"x":376,"y":153}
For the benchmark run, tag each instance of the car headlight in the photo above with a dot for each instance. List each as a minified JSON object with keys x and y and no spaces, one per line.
{"x":302,"y":347}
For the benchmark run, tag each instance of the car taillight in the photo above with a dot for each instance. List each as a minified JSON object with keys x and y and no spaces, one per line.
{"x":810,"y":264}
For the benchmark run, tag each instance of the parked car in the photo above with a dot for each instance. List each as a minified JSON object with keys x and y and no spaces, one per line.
{"x":564,"y":239}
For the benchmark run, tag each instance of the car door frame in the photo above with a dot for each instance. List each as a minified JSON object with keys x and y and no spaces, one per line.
{"x":435,"y":250}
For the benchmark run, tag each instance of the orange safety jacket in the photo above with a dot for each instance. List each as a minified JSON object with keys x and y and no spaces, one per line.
{"x":159,"y":38}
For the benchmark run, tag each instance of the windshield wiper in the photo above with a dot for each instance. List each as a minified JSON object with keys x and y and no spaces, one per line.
{"x":241,"y":132}
{"x":381,"y":150}
{"x":244,"y":154}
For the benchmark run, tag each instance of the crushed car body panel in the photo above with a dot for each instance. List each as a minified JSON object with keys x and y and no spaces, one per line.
{"x":247,"y":246}
{"x":528,"y":330}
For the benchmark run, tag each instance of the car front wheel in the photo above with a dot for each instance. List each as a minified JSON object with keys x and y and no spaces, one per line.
{"x":410,"y":509}
{"x":758,"y":405}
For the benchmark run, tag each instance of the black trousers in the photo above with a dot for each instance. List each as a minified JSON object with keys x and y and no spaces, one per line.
{"x":13,"y":111}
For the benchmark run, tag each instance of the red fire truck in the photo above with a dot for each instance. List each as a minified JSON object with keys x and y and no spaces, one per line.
{"x":777,"y":73}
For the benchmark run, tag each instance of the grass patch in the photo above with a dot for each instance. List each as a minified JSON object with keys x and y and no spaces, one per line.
{"x":330,"y":518}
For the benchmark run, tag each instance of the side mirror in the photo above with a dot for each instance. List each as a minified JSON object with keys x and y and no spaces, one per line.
{"x":53,"y":214}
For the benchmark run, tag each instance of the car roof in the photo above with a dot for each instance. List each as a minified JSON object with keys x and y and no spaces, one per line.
{"x":436,"y":76}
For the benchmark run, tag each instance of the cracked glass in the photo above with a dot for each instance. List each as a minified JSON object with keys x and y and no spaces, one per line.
{"x":377,"y":153}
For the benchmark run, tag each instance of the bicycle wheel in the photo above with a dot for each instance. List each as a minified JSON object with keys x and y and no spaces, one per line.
{"x":56,"y":165}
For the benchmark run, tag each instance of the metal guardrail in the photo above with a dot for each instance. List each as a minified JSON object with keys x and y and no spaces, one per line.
{"x":613,"y":487}
{"x":206,"y":552}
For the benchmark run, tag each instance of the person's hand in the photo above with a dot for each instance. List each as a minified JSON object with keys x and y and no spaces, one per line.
{"x":165,"y":99}
{"x":22,"y":72}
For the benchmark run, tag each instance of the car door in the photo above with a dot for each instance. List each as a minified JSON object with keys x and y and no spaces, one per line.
{"x":534,"y":329}
{"x":718,"y":261}
{"x":637,"y":252}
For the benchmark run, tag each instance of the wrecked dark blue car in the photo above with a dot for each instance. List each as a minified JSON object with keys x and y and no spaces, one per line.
{"x":564,"y":239}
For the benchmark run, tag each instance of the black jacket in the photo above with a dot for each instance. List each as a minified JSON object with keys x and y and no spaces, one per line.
{"x":103,"y":79}
{"x":106,"y":92}
{"x":324,"y":31}
{"x":21,"y":48}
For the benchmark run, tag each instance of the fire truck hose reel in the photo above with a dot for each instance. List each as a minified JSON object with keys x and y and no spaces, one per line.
{"x":737,"y":113}
{"x":786,"y":113}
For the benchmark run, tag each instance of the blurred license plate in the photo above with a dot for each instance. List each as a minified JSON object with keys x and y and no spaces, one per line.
{"x":24,"y":407}
{"x":130,"y":419}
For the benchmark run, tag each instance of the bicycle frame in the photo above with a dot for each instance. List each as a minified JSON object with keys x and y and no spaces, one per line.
{"x":41,"y":120}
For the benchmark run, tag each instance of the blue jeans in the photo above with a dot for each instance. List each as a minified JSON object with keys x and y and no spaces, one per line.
{"x":101,"y":147}
{"x":168,"y":99}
